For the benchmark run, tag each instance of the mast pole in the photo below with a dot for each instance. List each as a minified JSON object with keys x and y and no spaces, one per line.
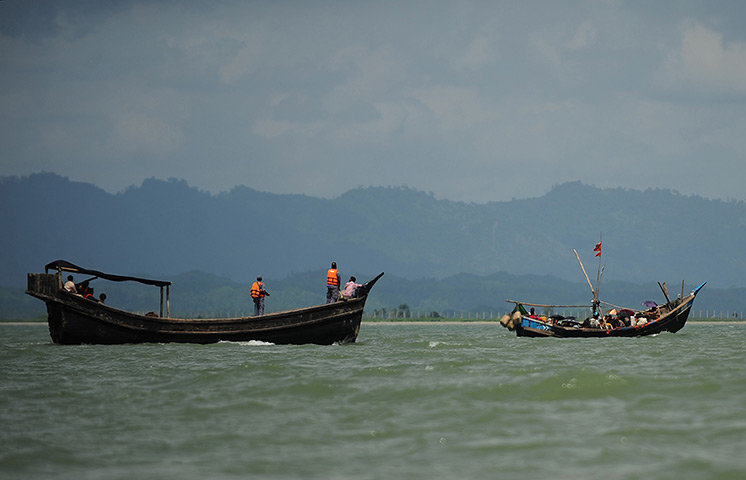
{"x":598,"y":274}
{"x":584,"y":273}
{"x":593,"y":290}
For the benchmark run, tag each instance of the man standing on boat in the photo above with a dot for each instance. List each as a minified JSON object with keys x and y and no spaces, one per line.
{"x":257,"y":294}
{"x":332,"y":284}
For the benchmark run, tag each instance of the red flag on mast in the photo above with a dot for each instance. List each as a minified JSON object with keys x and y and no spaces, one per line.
{"x":597,"y":248}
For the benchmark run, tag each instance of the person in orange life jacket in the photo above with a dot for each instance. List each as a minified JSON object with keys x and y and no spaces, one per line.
{"x":257,"y":294}
{"x":332,"y":284}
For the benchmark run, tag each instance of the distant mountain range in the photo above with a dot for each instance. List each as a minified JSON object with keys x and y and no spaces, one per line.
{"x":437,"y":254}
{"x":163,"y":228}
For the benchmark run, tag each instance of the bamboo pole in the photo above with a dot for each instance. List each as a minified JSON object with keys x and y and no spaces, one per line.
{"x":600,"y":270}
{"x":546,"y":306}
{"x":664,"y":289}
{"x":586,"y":274}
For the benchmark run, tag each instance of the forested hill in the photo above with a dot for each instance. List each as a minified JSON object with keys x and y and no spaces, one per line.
{"x":163,"y":228}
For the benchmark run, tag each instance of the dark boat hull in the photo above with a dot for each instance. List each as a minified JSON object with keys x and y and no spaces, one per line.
{"x":77,"y":320}
{"x":672,"y":322}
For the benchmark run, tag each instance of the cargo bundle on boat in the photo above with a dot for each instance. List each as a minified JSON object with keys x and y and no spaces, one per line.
{"x":76,"y":319}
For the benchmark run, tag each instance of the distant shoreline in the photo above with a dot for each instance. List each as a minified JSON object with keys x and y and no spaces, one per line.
{"x":451,"y":322}
{"x":690,"y":322}
{"x":23,"y":323}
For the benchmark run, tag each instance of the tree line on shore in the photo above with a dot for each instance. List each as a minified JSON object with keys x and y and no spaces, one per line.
{"x":459,"y":297}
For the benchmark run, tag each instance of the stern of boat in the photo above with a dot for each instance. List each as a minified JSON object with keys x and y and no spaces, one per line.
{"x":43,"y":285}
{"x":47,"y":287}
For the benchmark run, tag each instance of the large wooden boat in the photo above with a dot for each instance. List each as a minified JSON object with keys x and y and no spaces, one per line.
{"x":74,"y":319}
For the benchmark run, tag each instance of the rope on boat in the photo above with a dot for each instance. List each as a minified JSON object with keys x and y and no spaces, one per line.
{"x":547,"y":306}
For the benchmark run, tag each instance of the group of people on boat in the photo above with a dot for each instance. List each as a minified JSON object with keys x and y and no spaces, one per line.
{"x":612,"y":319}
{"x":258,"y":290}
{"x":620,"y":319}
{"x":84,"y":289}
{"x":625,"y":317}
{"x":333,"y":294}
{"x":333,"y":283}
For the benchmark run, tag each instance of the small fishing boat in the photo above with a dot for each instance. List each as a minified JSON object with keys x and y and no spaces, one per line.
{"x":615,"y":322}
{"x":75,"y":319}
{"x":669,"y":317}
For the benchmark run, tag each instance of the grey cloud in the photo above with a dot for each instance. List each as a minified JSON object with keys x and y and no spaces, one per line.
{"x":472,"y":101}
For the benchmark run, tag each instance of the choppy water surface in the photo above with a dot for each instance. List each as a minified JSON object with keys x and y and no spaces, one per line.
{"x":407,"y":401}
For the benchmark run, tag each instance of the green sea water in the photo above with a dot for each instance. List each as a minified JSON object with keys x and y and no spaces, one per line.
{"x":407,"y":401}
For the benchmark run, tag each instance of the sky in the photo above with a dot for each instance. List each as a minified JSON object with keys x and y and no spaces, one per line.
{"x":469,"y":101}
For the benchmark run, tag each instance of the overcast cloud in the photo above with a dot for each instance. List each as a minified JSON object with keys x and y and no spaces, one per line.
{"x":472,"y":101}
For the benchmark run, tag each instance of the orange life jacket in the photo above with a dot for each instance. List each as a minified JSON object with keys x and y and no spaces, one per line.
{"x":257,"y":290}
{"x":332,"y":277}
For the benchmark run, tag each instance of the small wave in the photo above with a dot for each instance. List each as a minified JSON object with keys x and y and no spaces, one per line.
{"x":250,"y":342}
